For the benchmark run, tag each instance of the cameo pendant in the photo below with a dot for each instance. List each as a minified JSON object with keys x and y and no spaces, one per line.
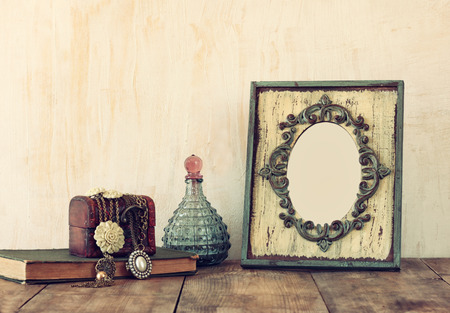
{"x":139,"y":264}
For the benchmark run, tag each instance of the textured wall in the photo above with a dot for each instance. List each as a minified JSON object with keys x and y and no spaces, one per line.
{"x":119,"y":93}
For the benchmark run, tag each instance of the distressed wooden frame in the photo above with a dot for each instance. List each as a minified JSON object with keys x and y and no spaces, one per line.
{"x":255,"y":172}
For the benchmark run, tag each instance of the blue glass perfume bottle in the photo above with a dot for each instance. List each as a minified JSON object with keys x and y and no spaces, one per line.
{"x":196,"y":226}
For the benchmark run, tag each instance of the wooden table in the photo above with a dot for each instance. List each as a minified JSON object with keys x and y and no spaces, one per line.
{"x":421,"y":286}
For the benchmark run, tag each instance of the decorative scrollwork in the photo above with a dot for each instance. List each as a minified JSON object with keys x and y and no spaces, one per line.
{"x":372,"y":172}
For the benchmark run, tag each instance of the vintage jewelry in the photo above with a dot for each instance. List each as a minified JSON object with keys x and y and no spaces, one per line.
{"x":105,"y":269}
{"x":109,"y":236}
{"x":139,"y":263}
{"x":113,"y":197}
{"x":95,"y":191}
{"x":106,"y":266}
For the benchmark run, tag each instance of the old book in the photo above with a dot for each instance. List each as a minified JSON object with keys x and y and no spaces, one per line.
{"x":58,"y":265}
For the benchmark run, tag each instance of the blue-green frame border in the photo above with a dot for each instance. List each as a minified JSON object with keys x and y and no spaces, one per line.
{"x":325,"y":264}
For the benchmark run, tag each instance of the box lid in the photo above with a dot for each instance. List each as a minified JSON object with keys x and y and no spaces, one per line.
{"x":83,"y":211}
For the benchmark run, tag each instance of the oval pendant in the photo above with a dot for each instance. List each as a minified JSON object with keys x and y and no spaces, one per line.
{"x":139,"y":264}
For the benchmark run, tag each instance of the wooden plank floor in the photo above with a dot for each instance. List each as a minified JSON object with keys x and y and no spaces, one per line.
{"x":415,"y":289}
{"x":230,"y":288}
{"x":421,"y":286}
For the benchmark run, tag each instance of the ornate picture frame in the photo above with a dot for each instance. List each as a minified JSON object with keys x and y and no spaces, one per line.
{"x":274,"y":232}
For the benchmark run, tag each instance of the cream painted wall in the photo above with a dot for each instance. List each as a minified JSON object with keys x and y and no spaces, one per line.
{"x":119,"y":93}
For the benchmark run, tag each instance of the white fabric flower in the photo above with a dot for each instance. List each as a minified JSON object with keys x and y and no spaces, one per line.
{"x":95,"y":191}
{"x":109,"y":237}
{"x":112,"y":194}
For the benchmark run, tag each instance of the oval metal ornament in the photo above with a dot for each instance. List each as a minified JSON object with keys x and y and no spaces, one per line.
{"x":140,"y":264}
{"x":372,"y":171}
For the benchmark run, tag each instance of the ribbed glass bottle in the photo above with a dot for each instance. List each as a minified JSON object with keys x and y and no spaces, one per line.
{"x":196,"y":226}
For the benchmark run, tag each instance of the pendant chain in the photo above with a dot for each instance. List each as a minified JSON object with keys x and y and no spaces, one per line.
{"x":139,"y":232}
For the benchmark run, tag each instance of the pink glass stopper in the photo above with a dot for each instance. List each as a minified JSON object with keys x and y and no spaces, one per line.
{"x":193,"y":165}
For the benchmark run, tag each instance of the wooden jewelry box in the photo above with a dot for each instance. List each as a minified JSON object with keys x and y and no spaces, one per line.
{"x":84,"y":218}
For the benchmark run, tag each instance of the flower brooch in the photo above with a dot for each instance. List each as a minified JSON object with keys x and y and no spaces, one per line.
{"x":109,"y":237}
